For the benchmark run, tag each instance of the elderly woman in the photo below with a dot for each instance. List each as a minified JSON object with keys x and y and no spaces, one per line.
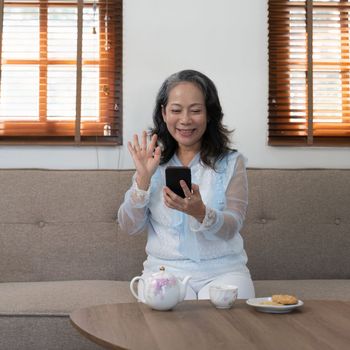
{"x":196,"y":234}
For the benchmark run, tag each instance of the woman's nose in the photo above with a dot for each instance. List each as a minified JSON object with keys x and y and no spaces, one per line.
{"x":185,"y":118}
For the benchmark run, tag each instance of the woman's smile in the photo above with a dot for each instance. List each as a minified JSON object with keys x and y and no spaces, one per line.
{"x":185,"y":132}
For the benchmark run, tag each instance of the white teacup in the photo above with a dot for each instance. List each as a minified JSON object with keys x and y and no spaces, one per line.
{"x":223,"y":296}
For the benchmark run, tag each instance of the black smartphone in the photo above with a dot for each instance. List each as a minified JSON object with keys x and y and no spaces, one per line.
{"x":173,"y":175}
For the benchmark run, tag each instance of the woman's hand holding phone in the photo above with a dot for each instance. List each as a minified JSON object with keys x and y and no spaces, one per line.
{"x":192,"y":204}
{"x":146,"y":158}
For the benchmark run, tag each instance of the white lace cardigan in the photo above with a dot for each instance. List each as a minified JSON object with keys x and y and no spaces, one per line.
{"x":175,"y":235}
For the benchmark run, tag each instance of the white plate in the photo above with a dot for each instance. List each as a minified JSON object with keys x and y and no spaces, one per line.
{"x":275,"y":309}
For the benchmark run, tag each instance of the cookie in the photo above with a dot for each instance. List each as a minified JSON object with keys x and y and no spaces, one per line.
{"x":284,"y":299}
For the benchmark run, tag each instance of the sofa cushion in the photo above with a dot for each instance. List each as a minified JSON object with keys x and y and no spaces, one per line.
{"x":305,"y":289}
{"x":61,"y":297}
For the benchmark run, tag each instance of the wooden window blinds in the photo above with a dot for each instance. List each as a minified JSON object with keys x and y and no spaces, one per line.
{"x":61,"y":72}
{"x":309,"y":72}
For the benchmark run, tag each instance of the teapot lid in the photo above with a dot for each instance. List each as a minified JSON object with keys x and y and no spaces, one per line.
{"x":162,"y":273}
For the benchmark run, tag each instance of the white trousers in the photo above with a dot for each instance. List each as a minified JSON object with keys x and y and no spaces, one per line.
{"x":200,"y":290}
{"x":198,"y":286}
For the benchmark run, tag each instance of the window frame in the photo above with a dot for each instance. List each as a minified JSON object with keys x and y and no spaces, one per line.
{"x":77,"y":132}
{"x":281,"y":129}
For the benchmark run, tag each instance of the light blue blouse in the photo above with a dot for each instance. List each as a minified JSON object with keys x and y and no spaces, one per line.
{"x":174,"y":235}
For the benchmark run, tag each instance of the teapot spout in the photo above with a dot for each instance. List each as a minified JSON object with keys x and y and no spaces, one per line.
{"x":183,"y":288}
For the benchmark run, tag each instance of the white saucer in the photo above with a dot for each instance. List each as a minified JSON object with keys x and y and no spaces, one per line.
{"x":275,"y":309}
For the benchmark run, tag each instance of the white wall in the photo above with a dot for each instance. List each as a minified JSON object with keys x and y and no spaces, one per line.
{"x":226,"y":41}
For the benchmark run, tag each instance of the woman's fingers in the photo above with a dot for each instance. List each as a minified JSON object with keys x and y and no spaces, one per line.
{"x":187,"y":191}
{"x":153,"y":142}
{"x":149,"y":149}
{"x":146,"y":157}
{"x":144,"y":140}
{"x":171,"y":198}
{"x":195,"y":189}
{"x":157,"y":154}
{"x":131,"y":148}
{"x":136,"y":143}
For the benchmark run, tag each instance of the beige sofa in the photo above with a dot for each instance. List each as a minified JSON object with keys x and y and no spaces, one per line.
{"x":60,"y":248}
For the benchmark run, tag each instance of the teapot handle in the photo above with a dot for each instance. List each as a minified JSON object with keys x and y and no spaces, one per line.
{"x":132,"y":287}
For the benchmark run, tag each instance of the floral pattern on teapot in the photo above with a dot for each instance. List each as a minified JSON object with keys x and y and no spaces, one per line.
{"x":162,"y":290}
{"x":159,"y":286}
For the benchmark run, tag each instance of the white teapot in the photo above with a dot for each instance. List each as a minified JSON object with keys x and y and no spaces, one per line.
{"x":162,"y":290}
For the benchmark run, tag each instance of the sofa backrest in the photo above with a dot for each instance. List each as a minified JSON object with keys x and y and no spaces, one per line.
{"x":298,"y":224}
{"x":61,"y":225}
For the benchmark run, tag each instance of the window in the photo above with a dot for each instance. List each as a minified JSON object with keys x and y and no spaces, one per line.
{"x":309,"y":72}
{"x":61,"y":75}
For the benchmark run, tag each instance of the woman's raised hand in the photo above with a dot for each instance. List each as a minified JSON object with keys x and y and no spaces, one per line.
{"x":146,"y":159}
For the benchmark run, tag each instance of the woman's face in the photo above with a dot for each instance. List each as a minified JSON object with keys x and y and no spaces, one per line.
{"x":185,"y":115}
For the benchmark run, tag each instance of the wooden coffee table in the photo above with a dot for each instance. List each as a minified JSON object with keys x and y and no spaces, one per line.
{"x":199,"y":325}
